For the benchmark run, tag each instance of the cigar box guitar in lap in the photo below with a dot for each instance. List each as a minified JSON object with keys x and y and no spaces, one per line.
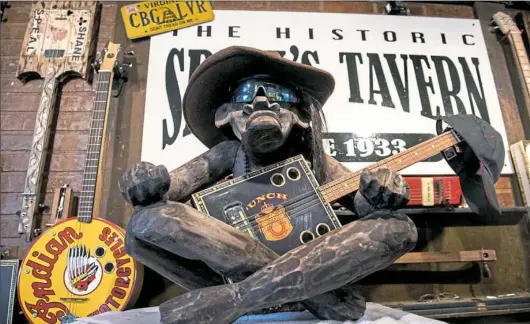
{"x":283,"y":206}
{"x":79,"y":266}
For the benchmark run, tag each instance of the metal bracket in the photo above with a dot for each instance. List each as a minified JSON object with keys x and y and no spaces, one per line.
{"x":449,"y":153}
{"x":121,"y":75}
{"x":485,"y":270}
{"x":396,"y":8}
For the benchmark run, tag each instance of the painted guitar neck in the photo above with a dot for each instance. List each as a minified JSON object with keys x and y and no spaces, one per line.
{"x":90,"y":190}
{"x":33,"y":181}
{"x":511,"y":31}
{"x":350,"y":183}
{"x":524,"y":65}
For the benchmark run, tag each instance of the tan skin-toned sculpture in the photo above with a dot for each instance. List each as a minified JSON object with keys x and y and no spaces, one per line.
{"x":265,"y":110}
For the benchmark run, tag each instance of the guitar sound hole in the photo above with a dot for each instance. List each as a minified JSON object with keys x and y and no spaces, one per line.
{"x":278,"y":180}
{"x":293,"y":173}
{"x":306,"y":236}
{"x":322,"y":229}
{"x":99,"y":252}
{"x":109,"y":267}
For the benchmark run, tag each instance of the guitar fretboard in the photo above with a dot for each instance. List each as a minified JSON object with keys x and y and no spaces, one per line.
{"x":350,"y":183}
{"x":101,"y":98}
{"x":520,"y":52}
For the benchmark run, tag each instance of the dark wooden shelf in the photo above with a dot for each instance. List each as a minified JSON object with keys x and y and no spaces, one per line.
{"x":459,"y":216}
{"x":466,"y":307}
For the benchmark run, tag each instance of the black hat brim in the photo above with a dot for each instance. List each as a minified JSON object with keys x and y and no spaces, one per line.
{"x":480,"y":195}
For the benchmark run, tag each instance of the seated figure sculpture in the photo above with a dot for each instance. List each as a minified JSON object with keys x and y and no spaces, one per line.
{"x":252,"y":108}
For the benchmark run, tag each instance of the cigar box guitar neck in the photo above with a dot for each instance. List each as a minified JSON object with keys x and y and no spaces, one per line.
{"x":507,"y":26}
{"x":442,"y":143}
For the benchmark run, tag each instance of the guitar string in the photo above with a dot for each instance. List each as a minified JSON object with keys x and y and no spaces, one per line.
{"x":297,"y":199}
{"x":293,"y":203}
{"x":269,"y":221}
{"x":291,"y":213}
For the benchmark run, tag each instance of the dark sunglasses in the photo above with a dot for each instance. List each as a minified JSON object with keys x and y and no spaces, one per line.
{"x":246,"y":90}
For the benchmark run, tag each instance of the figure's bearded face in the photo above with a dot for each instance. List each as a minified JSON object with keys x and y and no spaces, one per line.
{"x":262,"y":114}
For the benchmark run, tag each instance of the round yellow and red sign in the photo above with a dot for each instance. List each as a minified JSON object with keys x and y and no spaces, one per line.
{"x":77,"y":269}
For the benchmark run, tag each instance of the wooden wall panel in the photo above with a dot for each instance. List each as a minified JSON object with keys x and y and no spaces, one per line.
{"x":19,"y":104}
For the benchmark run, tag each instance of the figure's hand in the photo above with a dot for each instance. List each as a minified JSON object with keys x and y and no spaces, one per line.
{"x":144,"y":184}
{"x":381,"y":189}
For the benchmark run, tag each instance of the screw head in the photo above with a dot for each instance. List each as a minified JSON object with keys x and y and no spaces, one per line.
{"x":27,"y":271}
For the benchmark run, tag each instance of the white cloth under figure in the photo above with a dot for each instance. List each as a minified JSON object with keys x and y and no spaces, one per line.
{"x":375,"y":314}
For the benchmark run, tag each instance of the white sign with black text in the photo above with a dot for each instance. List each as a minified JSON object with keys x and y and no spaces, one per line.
{"x":392,"y":73}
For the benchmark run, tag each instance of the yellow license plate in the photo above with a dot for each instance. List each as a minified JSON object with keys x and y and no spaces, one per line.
{"x":156,"y":17}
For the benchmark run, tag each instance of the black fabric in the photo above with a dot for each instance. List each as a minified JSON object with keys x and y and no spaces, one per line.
{"x":480,"y":163}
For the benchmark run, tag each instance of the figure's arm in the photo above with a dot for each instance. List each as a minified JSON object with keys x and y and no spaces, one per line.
{"x":202,"y":171}
{"x":144,"y":183}
{"x":380,"y":189}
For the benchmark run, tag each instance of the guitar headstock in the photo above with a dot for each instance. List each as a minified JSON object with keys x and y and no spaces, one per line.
{"x":108,"y":58}
{"x":504,"y":23}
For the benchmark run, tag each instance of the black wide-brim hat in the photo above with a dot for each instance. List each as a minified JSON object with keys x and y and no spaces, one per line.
{"x":208,"y":86}
{"x":480,"y":163}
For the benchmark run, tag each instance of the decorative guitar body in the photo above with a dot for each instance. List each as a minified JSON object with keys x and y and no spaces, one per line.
{"x":77,"y":268}
{"x":282,"y":229}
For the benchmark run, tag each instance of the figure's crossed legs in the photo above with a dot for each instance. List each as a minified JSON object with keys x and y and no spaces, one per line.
{"x":312,"y":273}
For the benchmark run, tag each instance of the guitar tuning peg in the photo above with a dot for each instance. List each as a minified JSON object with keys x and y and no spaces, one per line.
{"x":96,"y":65}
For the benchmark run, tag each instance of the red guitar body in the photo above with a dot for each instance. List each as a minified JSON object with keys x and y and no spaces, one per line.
{"x":434,"y":191}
